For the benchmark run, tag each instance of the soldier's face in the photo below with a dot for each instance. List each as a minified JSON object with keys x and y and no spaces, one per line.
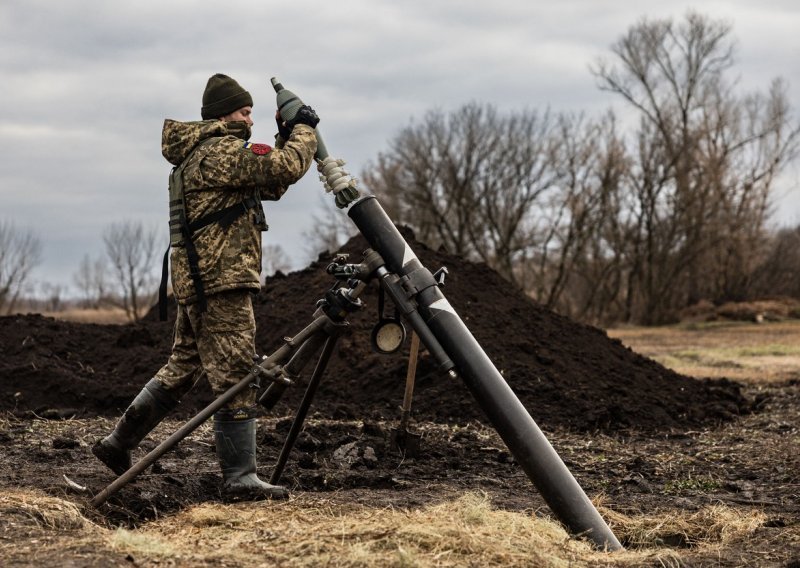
{"x":244,"y":114}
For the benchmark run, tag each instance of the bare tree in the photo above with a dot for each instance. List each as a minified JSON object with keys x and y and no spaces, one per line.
{"x":52,"y":296}
{"x":20,"y":252}
{"x":585,"y":274}
{"x":274,"y":259}
{"x":778,"y":273}
{"x":91,"y":278}
{"x":429,"y":177}
{"x":533,"y":195}
{"x":748,"y":144}
{"x":329,"y":231}
{"x":132,"y":251}
{"x":471,"y":181}
{"x":705,"y":163}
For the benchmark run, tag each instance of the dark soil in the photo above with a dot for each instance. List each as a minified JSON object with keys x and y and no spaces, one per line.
{"x":625,"y":426}
{"x":750,"y":464}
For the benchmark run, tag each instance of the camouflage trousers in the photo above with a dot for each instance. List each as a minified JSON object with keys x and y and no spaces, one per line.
{"x":219,"y":341}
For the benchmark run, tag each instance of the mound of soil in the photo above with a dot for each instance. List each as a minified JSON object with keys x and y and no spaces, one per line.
{"x":567,"y":374}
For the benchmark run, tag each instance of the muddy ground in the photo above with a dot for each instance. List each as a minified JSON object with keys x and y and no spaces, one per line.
{"x":645,"y":438}
{"x":748,"y":464}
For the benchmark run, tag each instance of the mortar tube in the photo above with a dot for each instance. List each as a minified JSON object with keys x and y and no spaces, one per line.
{"x":505,"y":412}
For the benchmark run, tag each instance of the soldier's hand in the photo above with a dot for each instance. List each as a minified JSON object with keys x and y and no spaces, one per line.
{"x":346,"y":196}
{"x":305,"y":115}
{"x":283,"y":129}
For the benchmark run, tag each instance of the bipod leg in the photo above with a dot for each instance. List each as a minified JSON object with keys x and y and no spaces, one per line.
{"x":278,"y":357}
{"x":302,"y":410}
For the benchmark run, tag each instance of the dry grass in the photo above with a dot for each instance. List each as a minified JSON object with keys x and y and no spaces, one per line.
{"x":712,"y":527}
{"x":102,"y":316}
{"x":315,"y":531}
{"x":37,"y":530}
{"x":35,"y":510}
{"x":740,"y":351}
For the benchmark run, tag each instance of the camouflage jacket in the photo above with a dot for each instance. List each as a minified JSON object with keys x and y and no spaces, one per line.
{"x":221,"y":173}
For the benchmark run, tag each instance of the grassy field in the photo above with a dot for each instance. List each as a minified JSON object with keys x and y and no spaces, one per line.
{"x":745,"y":352}
{"x":102,"y":316}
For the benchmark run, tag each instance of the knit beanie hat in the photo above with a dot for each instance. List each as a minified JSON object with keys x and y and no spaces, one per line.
{"x":222,"y":96}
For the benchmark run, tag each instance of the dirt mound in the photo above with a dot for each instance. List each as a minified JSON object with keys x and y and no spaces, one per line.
{"x":49,"y":366}
{"x":567,"y":374}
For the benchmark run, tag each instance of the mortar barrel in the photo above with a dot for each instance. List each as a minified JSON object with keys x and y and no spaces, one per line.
{"x":505,"y":412}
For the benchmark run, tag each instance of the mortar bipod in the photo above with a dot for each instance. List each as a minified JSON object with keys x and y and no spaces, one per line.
{"x":338,"y":303}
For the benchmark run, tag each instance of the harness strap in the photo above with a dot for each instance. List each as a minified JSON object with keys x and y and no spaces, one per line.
{"x":225,"y":218}
{"x":194,"y":269}
{"x":162,"y":287}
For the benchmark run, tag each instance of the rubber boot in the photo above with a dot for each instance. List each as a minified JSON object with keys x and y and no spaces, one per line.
{"x":235,"y":438}
{"x":149,"y":407}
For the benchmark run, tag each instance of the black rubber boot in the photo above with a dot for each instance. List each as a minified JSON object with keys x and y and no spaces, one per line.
{"x":235,"y":438}
{"x":149,"y":407}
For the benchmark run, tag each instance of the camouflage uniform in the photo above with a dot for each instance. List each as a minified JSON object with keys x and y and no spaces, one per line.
{"x":220,"y":173}
{"x":215,"y":220}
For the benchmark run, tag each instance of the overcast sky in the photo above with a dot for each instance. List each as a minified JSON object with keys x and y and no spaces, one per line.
{"x":86,"y":84}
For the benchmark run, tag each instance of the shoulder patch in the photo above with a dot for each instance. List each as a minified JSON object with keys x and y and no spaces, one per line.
{"x":258,"y":149}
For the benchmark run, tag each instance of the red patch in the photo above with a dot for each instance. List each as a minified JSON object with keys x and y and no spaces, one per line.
{"x":261,"y":149}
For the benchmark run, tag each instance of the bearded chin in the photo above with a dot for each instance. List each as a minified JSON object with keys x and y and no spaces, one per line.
{"x":240,"y":129}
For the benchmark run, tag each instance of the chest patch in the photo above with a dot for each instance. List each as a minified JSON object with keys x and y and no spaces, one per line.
{"x":258,"y":149}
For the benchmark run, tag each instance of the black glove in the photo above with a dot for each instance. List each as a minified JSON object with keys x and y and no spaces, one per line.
{"x":283,"y":130}
{"x":305,"y":115}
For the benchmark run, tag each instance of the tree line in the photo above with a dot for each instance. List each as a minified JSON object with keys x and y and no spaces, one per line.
{"x":125,"y":275}
{"x":611,"y":218}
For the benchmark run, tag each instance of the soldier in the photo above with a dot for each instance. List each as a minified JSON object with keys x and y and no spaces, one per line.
{"x":216,"y":220}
